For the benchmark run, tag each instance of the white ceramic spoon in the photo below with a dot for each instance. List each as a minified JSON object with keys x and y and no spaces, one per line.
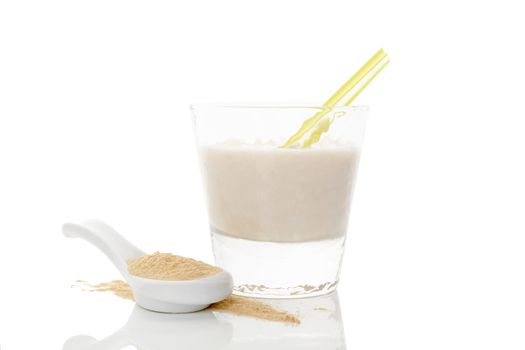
{"x":156,"y":295}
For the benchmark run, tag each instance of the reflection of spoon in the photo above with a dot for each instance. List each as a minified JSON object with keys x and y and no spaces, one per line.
{"x":156,"y":295}
{"x":157,"y":331}
{"x":321,"y":328}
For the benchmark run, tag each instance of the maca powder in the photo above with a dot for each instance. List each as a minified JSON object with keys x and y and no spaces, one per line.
{"x":166,"y":266}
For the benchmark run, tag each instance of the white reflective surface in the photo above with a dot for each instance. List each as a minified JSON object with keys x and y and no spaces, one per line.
{"x":400,"y":302}
{"x":321,"y":328}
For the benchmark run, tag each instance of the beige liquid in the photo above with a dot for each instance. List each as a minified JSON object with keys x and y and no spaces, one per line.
{"x":266,"y":193}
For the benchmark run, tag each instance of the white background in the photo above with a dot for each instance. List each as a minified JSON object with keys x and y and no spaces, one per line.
{"x":94,"y":122}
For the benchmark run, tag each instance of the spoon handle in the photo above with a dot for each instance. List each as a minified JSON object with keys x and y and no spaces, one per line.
{"x":106,"y":239}
{"x":115,"y":341}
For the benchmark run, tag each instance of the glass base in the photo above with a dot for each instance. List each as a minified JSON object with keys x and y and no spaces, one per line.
{"x":279,"y":270}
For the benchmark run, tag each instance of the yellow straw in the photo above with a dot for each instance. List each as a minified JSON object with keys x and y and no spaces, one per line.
{"x":351,"y":99}
{"x":356,"y":78}
{"x":323,"y":126}
{"x":311,"y":122}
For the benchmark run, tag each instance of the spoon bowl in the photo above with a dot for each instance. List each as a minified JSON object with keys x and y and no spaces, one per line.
{"x":156,"y":295}
{"x":180,"y":296}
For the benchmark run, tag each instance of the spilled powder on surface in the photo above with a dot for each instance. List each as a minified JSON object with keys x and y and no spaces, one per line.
{"x":322,"y":309}
{"x":166,"y":266}
{"x":253,"y":308}
{"x":237,"y":305}
{"x":117,"y":287}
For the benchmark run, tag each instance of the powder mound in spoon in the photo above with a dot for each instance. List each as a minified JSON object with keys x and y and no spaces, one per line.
{"x":166,"y":266}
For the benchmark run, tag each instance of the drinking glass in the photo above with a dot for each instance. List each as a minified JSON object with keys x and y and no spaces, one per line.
{"x":278,"y":216}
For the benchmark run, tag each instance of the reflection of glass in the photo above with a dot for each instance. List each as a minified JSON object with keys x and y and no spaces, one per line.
{"x":321,"y":328}
{"x":278,"y":216}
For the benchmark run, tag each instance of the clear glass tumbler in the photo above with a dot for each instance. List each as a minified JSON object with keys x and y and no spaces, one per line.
{"x":278,"y":216}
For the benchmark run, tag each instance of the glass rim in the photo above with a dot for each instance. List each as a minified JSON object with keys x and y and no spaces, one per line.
{"x":195,"y":106}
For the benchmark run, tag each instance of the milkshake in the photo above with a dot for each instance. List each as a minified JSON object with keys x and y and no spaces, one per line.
{"x":265,"y":193}
{"x":278,"y":216}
